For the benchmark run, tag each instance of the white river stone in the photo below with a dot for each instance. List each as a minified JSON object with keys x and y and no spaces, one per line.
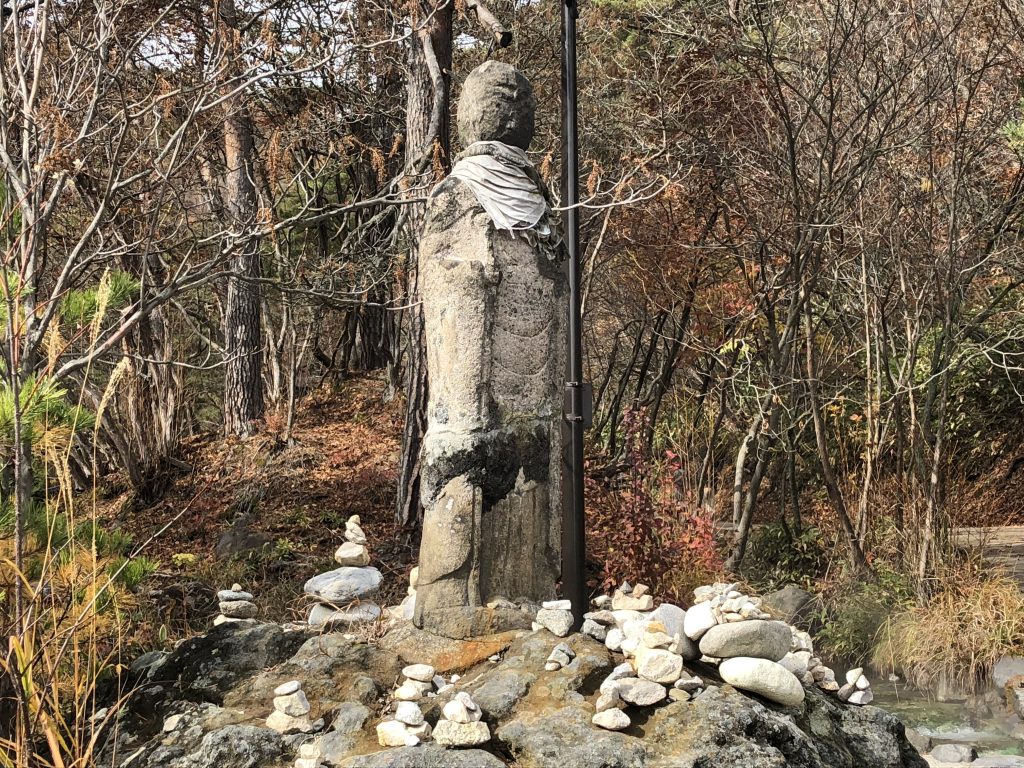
{"x":611,"y":720}
{"x":343,"y":585}
{"x":699,"y":619}
{"x":764,"y":677}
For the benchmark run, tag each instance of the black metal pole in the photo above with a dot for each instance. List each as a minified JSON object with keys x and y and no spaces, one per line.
{"x":573,"y":522}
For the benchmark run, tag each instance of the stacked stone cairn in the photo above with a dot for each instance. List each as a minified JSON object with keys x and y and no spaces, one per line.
{"x":236,"y":607}
{"x":461,"y":723}
{"x":404,"y":610}
{"x":309,"y":755}
{"x":857,"y":689}
{"x":343,"y":595}
{"x":291,"y":710}
{"x":407,"y":728}
{"x":724,"y":627}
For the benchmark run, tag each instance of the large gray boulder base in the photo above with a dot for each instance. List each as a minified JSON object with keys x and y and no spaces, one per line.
{"x":210,"y":664}
{"x":494,"y":310}
{"x":566,"y":738}
{"x":723,"y":727}
{"x":537,"y":718}
{"x":236,"y":746}
{"x":496,"y":104}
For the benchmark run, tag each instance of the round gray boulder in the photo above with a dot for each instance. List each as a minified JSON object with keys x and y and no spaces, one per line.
{"x":756,"y":638}
{"x":343,"y":585}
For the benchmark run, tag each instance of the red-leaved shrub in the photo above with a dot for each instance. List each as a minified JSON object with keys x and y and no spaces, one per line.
{"x":642,"y":528}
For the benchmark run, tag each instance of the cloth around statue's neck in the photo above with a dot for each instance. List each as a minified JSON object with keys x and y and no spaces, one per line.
{"x":506,"y":185}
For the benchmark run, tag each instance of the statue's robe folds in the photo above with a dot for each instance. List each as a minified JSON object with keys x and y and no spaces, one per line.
{"x":495,"y":309}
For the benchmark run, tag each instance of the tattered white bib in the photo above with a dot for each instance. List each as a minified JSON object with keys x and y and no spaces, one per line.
{"x":501,"y":185}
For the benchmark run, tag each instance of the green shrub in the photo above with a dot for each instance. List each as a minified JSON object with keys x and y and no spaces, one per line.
{"x":130,"y":573}
{"x":112,"y":542}
{"x":858,"y":610}
{"x":777,"y":557}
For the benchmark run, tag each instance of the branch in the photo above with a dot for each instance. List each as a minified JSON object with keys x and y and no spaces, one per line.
{"x":502,"y":36}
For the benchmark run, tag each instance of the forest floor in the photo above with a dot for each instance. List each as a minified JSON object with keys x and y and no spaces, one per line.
{"x":269,"y":515}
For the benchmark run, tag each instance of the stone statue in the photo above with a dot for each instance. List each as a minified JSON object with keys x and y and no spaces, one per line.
{"x":495,"y":302}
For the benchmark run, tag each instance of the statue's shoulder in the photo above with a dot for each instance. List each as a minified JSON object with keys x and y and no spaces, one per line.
{"x":449,"y":203}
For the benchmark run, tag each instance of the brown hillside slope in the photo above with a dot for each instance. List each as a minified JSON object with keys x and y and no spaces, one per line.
{"x":270,"y":515}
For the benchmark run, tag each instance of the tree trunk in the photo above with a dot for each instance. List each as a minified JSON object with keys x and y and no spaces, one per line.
{"x":243,"y":382}
{"x":835,"y":494}
{"x":428,"y":149}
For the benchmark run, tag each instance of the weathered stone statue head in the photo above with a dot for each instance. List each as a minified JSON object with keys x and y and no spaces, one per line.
{"x":497,"y":104}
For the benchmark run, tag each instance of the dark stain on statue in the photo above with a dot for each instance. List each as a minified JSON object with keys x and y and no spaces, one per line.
{"x":494,"y":462}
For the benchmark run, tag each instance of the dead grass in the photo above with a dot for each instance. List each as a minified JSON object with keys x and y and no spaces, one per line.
{"x":974,"y":617}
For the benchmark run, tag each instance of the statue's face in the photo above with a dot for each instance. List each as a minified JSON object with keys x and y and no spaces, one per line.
{"x":497,"y":104}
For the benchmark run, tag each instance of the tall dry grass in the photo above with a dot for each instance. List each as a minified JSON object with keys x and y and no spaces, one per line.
{"x":59,"y":670}
{"x":974,"y":617}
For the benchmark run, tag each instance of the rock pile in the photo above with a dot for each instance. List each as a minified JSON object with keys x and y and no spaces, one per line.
{"x":725,"y":621}
{"x":407,"y":729}
{"x":629,"y":598}
{"x":724,"y":627}
{"x":655,"y":648}
{"x":857,"y":689}
{"x":235,"y":607}
{"x":461,"y":723}
{"x":291,"y":710}
{"x":343,"y":595}
{"x":421,"y":682}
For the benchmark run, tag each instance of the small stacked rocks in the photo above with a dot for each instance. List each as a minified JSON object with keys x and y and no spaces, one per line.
{"x":857,"y":689}
{"x":555,"y":616}
{"x":309,"y":755}
{"x":406,"y":729}
{"x":404,"y":610}
{"x":802,"y":662}
{"x":630,"y":598}
{"x":419,"y":683}
{"x":342,"y":595}
{"x":461,"y":723}
{"x":560,"y":657}
{"x":291,"y":710}
{"x":236,"y":607}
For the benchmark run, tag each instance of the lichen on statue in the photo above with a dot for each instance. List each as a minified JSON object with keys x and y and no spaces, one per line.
{"x":494,"y":293}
